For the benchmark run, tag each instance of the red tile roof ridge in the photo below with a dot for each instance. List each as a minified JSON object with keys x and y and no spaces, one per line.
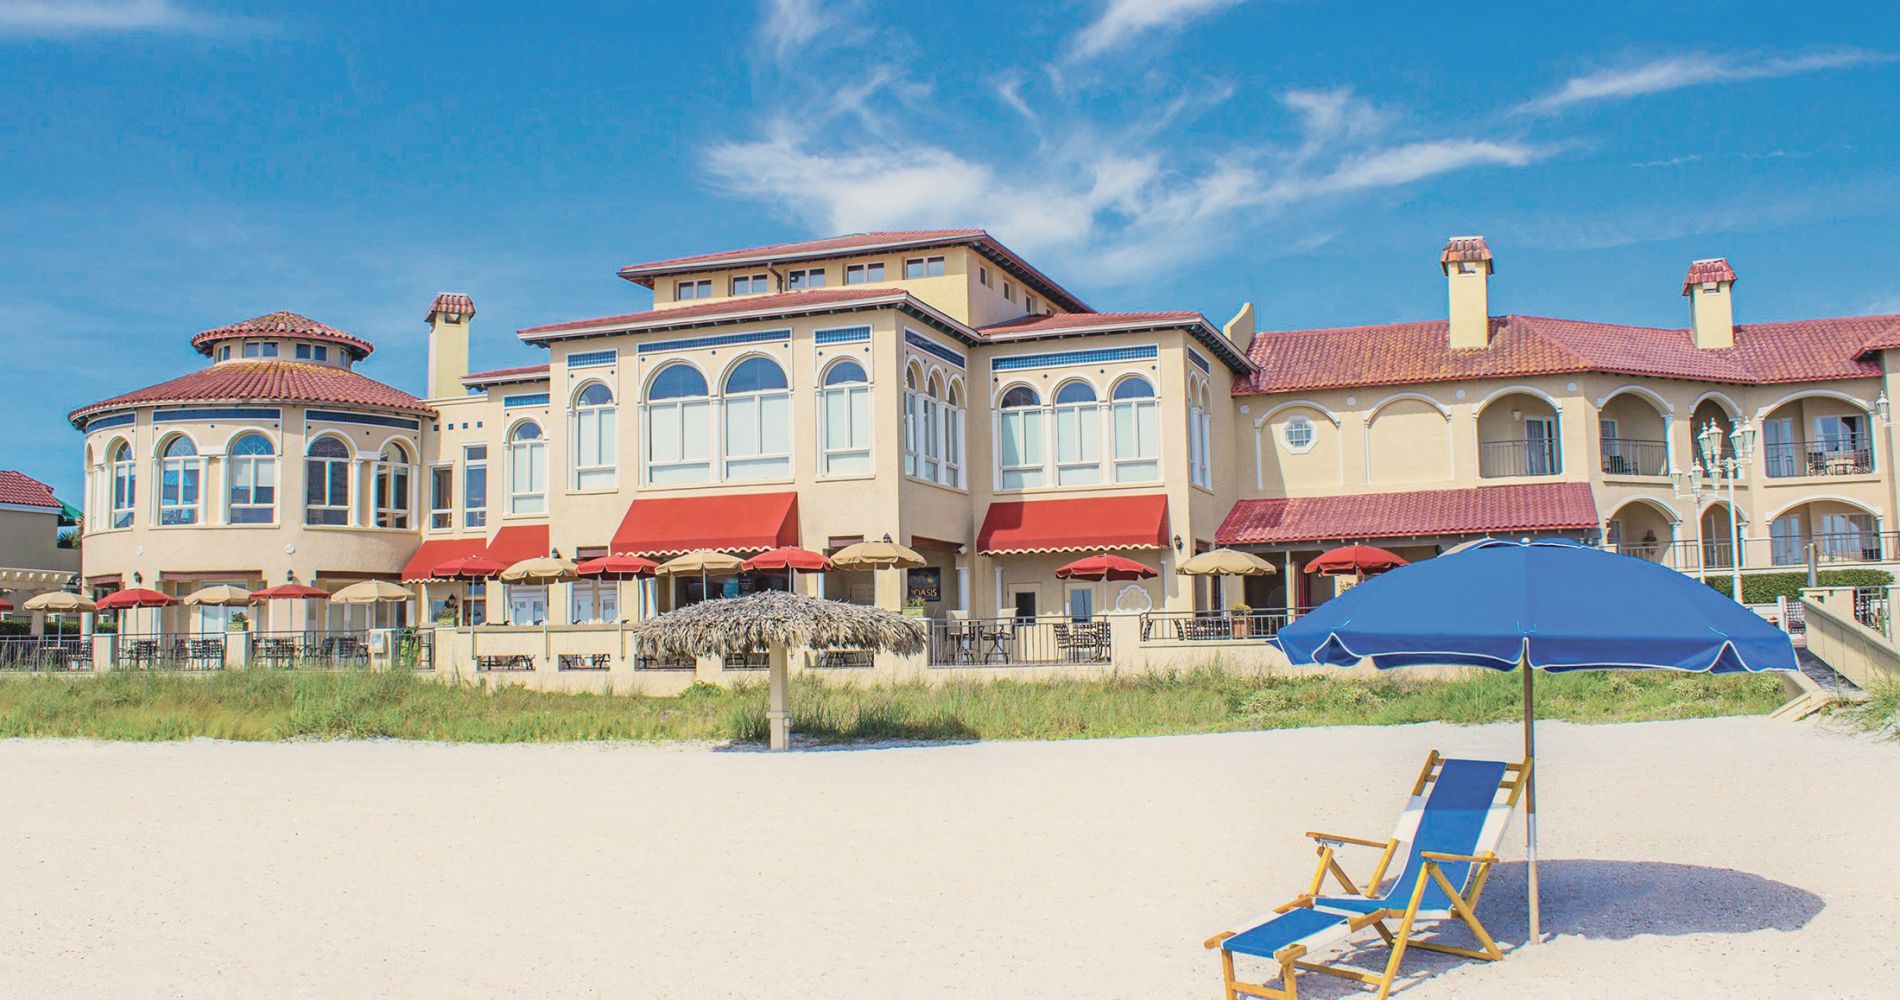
{"x":265,"y":380}
{"x":1051,"y":321}
{"x":282,"y":323}
{"x":22,"y":490}
{"x":540,"y":369}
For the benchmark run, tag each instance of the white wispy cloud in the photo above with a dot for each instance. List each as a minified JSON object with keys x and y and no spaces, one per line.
{"x":65,"y":18}
{"x":790,"y":25}
{"x":1122,"y":22}
{"x":1692,"y":70}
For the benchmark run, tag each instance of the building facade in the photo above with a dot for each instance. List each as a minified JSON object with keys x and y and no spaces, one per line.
{"x":936,"y":388}
{"x":37,"y":554}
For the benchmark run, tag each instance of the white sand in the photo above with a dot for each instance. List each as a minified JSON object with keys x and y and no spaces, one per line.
{"x":1692,"y":859}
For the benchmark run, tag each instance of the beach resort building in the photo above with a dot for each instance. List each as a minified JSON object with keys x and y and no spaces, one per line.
{"x":37,"y":552}
{"x":937,"y":389}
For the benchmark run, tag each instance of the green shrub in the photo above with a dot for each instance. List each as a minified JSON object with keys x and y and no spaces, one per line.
{"x":1766,"y":588}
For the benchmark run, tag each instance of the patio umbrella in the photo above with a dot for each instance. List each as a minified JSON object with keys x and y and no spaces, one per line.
{"x":777,"y":622}
{"x":287,"y":592}
{"x":1105,"y":567}
{"x":789,"y":558}
{"x":877,"y":555}
{"x":620,"y":567}
{"x":1537,"y":605}
{"x":5,"y":605}
{"x":372,"y":593}
{"x":1225,"y":562}
{"x":58,"y":604}
{"x":137,"y":597}
{"x":467,"y":568}
{"x":220,"y":596}
{"x":1355,"y":560}
{"x":704,"y":563}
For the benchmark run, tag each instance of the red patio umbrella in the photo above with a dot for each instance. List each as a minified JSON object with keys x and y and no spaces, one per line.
{"x":135,"y":598}
{"x":289,"y":592}
{"x":467,"y":567}
{"x":1355,"y":560}
{"x":788,"y":557}
{"x":618,"y":567}
{"x":1105,"y":567}
{"x":6,"y":605}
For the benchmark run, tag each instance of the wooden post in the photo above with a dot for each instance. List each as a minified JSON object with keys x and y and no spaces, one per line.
{"x":778,"y":715}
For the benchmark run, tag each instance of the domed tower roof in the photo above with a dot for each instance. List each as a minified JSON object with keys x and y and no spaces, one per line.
{"x":287,"y":325}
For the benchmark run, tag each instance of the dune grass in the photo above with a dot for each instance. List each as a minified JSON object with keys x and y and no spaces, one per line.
{"x":1880,"y":713}
{"x":276,"y":705}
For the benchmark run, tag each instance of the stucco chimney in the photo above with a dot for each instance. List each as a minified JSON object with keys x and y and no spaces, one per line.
{"x":1711,"y":306}
{"x":1240,"y":329}
{"x":1466,"y":261}
{"x":448,"y":320}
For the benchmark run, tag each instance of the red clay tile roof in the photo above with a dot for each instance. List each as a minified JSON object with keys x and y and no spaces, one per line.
{"x":1087,"y":320}
{"x":526,"y":373}
{"x":778,"y":304}
{"x":451,"y":302}
{"x":1464,"y":248}
{"x":22,"y":489}
{"x":981,"y":240}
{"x":1713,"y":269}
{"x":1401,"y":353}
{"x":284,"y":381}
{"x":282,"y":324}
{"x":1416,"y":513}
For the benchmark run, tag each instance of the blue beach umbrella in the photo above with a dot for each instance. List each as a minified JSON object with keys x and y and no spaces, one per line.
{"x":1537,"y":605}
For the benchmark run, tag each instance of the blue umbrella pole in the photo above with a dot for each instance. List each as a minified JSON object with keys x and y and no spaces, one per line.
{"x":1530,"y":787}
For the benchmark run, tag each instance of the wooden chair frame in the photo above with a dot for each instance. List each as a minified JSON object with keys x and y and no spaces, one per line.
{"x":1291,"y":959}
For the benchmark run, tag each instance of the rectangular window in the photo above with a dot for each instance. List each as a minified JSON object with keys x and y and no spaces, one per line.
{"x":442,"y":497}
{"x":1029,"y":304}
{"x":813,"y":277}
{"x":320,"y":353}
{"x":593,"y":601}
{"x":751,"y":284}
{"x":178,"y":491}
{"x":326,"y":491}
{"x":679,"y":441}
{"x":527,"y":476}
{"x":255,"y":350}
{"x":303,"y":352}
{"x":983,"y":276}
{"x":475,"y":486}
{"x":224,"y":353}
{"x":923,"y":267}
{"x":1021,"y":455}
{"x":1009,"y":292}
{"x":1137,"y":441}
{"x":253,"y":489}
{"x":862,"y":274}
{"x":1078,"y":444}
{"x":846,"y":412}
{"x":527,"y":605}
{"x":684,"y":290}
{"x":759,"y":436}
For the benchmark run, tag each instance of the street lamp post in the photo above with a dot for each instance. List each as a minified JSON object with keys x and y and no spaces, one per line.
{"x":1742,"y":445}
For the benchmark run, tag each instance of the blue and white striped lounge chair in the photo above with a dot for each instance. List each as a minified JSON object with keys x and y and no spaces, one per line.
{"x":1450,"y":833}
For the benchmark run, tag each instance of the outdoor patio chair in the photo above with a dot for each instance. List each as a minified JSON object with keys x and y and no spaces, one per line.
{"x":1450,"y":831}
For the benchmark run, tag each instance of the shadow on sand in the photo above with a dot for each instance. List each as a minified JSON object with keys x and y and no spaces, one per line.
{"x":1599,"y":900}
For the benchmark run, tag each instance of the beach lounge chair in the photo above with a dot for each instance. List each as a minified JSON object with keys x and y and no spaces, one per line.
{"x":1449,"y":834}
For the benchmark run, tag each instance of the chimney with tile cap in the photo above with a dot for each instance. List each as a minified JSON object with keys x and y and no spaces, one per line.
{"x":1466,"y":261}
{"x":448,"y":343}
{"x":1711,"y":307}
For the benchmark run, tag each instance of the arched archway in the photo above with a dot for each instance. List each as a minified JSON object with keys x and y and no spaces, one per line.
{"x":1645,"y":528}
{"x":1818,"y":432}
{"x":1633,"y":433}
{"x":1518,"y":435}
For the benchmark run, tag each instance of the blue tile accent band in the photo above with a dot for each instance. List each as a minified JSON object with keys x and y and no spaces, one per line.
{"x":928,"y":346}
{"x":720,"y":340}
{"x":846,"y":335}
{"x":367,"y":419}
{"x":593,"y":359}
{"x":218,"y":413}
{"x":526,"y":399}
{"x":1145,"y":352}
{"x":119,"y":420}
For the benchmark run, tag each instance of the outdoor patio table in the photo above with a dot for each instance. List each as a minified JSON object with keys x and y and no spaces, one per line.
{"x":996,"y":643}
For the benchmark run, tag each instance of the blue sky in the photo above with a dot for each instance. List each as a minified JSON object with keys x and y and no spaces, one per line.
{"x":171,"y":165}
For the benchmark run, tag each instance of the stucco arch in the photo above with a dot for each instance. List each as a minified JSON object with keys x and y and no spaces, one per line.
{"x":1857,"y":403}
{"x":1261,"y":421}
{"x":1660,"y":505}
{"x":1826,"y":498}
{"x":1721,"y":399}
{"x":573,"y":397}
{"x":718,"y":388}
{"x":1372,"y":412}
{"x":646,"y":387}
{"x":1663,"y":406}
{"x":1528,"y":390}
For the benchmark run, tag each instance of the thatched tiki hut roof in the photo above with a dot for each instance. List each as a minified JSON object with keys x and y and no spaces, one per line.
{"x":775,"y":618}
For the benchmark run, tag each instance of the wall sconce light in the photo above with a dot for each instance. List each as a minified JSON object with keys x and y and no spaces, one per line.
{"x":290,"y":577}
{"x":887,"y":537}
{"x":137,"y":578}
{"x":556,"y":553}
{"x":1177,"y":543}
{"x":1517,"y":414}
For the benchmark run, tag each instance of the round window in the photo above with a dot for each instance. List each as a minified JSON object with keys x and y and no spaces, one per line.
{"x":1297,"y":432}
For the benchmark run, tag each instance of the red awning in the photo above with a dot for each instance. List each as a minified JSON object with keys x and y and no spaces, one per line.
{"x":1475,"y":510}
{"x":1092,"y":524}
{"x":742,"y":522}
{"x":516,"y":542}
{"x":437,"y":551}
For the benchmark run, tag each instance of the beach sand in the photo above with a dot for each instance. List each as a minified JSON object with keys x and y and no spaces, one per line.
{"x":1687,"y":859}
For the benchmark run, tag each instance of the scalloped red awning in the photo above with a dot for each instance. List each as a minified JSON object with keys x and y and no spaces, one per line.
{"x":437,"y":551}
{"x":1085,"y":524}
{"x":735,"y":522}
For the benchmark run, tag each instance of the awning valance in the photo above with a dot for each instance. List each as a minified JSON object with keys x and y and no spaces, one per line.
{"x":742,"y":522}
{"x":1083,"y":524}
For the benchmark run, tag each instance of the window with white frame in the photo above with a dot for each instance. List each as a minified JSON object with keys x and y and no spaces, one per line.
{"x":313,"y":352}
{"x":1029,"y":304}
{"x":260,"y":350}
{"x":391,"y":489}
{"x":180,"y":473}
{"x":953,"y":437}
{"x":678,"y":426}
{"x":593,"y":436}
{"x":863,"y":274}
{"x":1297,"y":433}
{"x":527,"y":469}
{"x":932,"y":429}
{"x":923,"y":267}
{"x":441,"y":497}
{"x":913,"y":417}
{"x":1019,"y":439}
{"x":751,"y":284}
{"x":1078,"y":420}
{"x":758,"y":408}
{"x":475,"y":485}
{"x":685,"y":290}
{"x":811,"y":277}
{"x":983,"y":276}
{"x":326,"y":494}
{"x":250,"y":480}
{"x":1009,"y":293}
{"x":593,"y":601}
{"x":1136,"y":417}
{"x":124,"y":484}
{"x":1200,"y":451}
{"x":844,"y":416}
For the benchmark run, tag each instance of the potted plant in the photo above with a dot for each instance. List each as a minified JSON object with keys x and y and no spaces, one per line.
{"x":914,"y":608}
{"x":1240,"y":614}
{"x":237,"y":623}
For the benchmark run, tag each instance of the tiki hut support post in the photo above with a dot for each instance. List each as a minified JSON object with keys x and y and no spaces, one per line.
{"x":778,"y":715}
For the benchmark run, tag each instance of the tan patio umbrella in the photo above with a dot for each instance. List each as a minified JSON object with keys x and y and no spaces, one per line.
{"x":777,"y":622}
{"x":1225,"y":562}
{"x":877,"y":555}
{"x":542,"y":570}
{"x":372,"y":592}
{"x":58,"y":603}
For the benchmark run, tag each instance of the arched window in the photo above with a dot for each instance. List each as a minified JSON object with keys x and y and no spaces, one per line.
{"x":392,"y":486}
{"x":913,"y":417}
{"x":180,"y":472}
{"x":933,"y":429}
{"x":1137,"y":435}
{"x":124,"y":484}
{"x":953,"y":437}
{"x":326,"y":495}
{"x":251,"y":481}
{"x":1200,"y":449}
{"x":1020,"y":434}
{"x":844,"y":414}
{"x":679,"y":426}
{"x":527,"y":469}
{"x":1078,"y":420}
{"x":594,"y":441}
{"x":758,"y":408}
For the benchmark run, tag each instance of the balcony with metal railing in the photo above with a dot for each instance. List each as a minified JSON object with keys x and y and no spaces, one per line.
{"x":1843,"y":456}
{"x":1635,"y":457}
{"x":1519,"y":457}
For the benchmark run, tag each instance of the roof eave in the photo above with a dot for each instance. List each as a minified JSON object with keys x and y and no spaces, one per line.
{"x":898,"y":299}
